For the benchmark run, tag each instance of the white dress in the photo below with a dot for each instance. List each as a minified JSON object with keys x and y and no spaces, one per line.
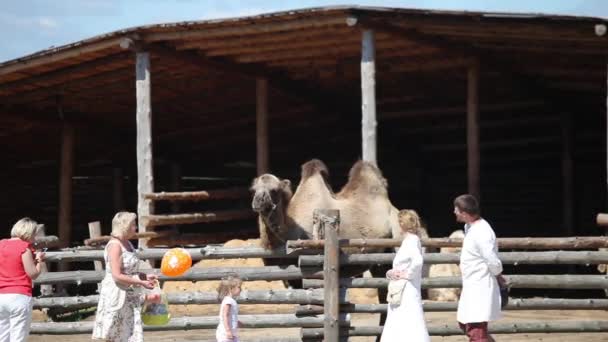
{"x":405,"y":322}
{"x":220,"y":332}
{"x":479,"y":264}
{"x":118,"y":317}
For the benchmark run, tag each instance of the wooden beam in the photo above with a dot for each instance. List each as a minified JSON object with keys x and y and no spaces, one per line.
{"x":244,"y":29}
{"x":262,"y":126}
{"x":328,"y":221}
{"x":57,"y":55}
{"x":64,"y":223}
{"x":63,"y":75}
{"x":145,"y":172}
{"x":368,"y":96}
{"x":473,"y":151}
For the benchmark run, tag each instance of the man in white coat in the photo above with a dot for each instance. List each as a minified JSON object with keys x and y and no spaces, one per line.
{"x":481,"y":271}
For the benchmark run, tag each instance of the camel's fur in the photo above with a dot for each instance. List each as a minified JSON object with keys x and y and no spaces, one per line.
{"x":365,"y":209}
{"x":446,"y":270}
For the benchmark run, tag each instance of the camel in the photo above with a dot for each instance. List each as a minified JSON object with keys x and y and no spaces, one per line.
{"x":446,"y":270}
{"x":365,"y":209}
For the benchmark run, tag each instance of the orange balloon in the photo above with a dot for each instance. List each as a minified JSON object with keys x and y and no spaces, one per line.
{"x":176,"y":262}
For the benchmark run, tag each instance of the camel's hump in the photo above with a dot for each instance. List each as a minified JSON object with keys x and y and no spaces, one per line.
{"x":312,"y":167}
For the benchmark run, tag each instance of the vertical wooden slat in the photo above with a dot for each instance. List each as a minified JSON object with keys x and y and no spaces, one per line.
{"x":45,"y":290}
{"x":65,"y":185}
{"x":262,"y":125}
{"x":473,"y":153}
{"x":175,"y":186}
{"x":567,"y":183}
{"x":329,"y":222}
{"x":145,"y":174}
{"x":95,"y":232}
{"x":118,"y":189}
{"x":368,"y":96}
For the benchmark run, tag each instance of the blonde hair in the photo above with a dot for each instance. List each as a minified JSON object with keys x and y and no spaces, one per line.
{"x":121,"y":223}
{"x":409,"y":221}
{"x":227,"y":285}
{"x":26,"y":229}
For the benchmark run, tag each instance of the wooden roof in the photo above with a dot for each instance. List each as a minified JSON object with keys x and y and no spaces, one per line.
{"x":533,"y":69}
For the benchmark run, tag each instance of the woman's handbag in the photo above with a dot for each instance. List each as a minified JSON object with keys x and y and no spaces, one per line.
{"x":395,"y":291}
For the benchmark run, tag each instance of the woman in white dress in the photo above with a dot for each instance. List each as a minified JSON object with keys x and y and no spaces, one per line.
{"x":406,"y":320}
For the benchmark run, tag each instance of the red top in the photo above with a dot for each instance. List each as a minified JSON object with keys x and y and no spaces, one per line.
{"x":13,"y":278}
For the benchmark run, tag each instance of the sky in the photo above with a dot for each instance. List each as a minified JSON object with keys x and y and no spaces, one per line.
{"x":28,"y":26}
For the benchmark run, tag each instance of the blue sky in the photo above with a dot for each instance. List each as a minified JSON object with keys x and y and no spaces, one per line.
{"x":27,"y":26}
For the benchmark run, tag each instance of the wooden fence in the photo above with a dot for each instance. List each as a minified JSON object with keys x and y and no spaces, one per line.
{"x":324,"y":307}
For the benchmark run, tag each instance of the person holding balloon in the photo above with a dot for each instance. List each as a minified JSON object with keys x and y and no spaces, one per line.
{"x":121,"y":296}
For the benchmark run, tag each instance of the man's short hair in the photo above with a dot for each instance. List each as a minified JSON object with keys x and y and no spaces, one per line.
{"x":467,"y":203}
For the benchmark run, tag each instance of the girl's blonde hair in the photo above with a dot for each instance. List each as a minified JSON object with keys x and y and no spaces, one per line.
{"x":26,"y":229}
{"x":409,"y":221}
{"x":121,"y":223}
{"x":227,"y":285}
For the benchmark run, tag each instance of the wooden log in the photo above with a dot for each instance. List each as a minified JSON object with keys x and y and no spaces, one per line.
{"x":45,"y":290}
{"x":208,"y":252}
{"x":268,"y":273}
{"x":577,"y":242}
{"x":602,"y":219}
{"x":218,"y":252}
{"x":145,"y":172}
{"x":368,"y":96}
{"x":311,"y":302}
{"x":66,"y":172}
{"x":514,"y":258}
{"x":514,"y":281}
{"x":105,"y":238}
{"x":47,"y":241}
{"x":201,"y":239}
{"x":220,"y":216}
{"x":328,"y":221}
{"x":498,"y":328}
{"x":433,"y":306}
{"x":191,"y":323}
{"x":233,"y":193}
{"x":473,"y":151}
{"x":95,"y":232}
{"x":262,"y":126}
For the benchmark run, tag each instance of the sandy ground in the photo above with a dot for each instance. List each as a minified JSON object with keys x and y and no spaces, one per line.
{"x":362,"y":296}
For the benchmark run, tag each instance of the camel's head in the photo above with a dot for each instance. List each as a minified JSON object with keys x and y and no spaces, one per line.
{"x":271,"y":196}
{"x":268,"y":193}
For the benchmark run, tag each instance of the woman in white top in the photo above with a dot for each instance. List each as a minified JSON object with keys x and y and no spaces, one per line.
{"x":406,"y":320}
{"x":481,"y":272}
{"x":228,"y":327}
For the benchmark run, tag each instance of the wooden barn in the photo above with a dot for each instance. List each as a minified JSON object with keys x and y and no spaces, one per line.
{"x":508,"y":106}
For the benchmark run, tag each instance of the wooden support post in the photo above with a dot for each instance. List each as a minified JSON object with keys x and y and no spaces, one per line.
{"x":45,"y":290}
{"x":567,"y":183}
{"x":262,"y":125}
{"x":65,"y":185}
{"x":95,"y":232}
{"x":368,"y":96}
{"x":473,"y":154}
{"x":118,"y":189}
{"x":145,"y":174}
{"x":329,"y":223}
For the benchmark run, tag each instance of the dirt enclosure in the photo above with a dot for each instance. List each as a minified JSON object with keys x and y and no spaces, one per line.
{"x":361,"y":296}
